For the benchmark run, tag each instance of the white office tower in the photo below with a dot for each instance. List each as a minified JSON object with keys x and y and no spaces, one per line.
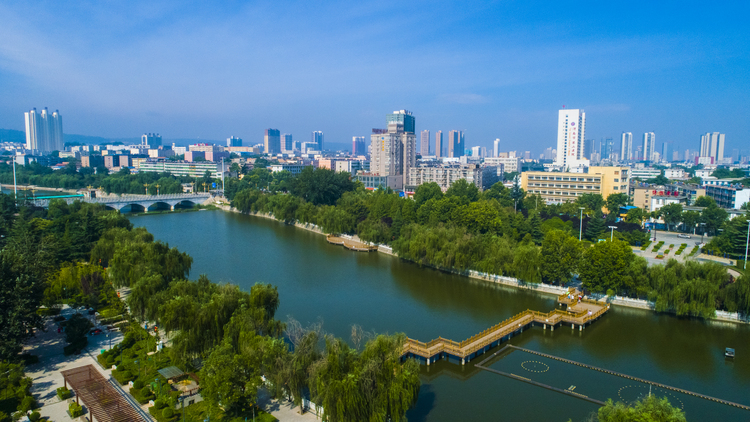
{"x":44,"y":131}
{"x":496,"y":148}
{"x":424,"y":143}
{"x":571,"y":131}
{"x":649,"y":146}
{"x":626,"y":146}
{"x":712,"y":145}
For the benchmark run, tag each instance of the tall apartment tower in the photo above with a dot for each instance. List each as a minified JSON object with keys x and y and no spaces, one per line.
{"x":665,"y":151}
{"x":712,"y":145}
{"x":571,"y":132}
{"x":438,"y":144}
{"x":153,"y":140}
{"x":358,"y":145}
{"x":649,"y":147}
{"x":424,"y":143}
{"x":317,"y":138}
{"x":287,"y":144}
{"x":272,"y":141}
{"x":234,"y":142}
{"x":496,"y":148}
{"x":44,"y":131}
{"x":455,"y":143}
{"x":626,"y":146}
{"x":393,"y":151}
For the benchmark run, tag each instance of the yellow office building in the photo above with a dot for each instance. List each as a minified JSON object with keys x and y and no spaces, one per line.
{"x":556,"y":188}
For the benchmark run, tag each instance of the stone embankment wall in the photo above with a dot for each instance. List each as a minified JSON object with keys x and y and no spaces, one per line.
{"x":514,"y":282}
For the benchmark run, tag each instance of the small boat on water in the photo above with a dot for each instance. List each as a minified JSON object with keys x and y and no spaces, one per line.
{"x":729,"y":352}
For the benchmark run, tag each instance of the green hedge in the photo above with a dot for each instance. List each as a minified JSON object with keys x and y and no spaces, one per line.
{"x":75,"y":410}
{"x":63,"y":393}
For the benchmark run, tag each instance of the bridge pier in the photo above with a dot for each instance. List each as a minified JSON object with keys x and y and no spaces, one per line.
{"x":463,"y":361}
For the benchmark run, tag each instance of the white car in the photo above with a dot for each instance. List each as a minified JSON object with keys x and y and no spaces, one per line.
{"x":683,"y":236}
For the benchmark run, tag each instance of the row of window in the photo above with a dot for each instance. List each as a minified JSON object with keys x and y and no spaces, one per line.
{"x":566,"y":179}
{"x":551,"y":185}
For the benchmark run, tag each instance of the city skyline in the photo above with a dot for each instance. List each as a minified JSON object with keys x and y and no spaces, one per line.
{"x":650,"y":76}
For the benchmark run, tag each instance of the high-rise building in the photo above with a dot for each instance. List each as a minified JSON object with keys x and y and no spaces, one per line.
{"x":478,"y":152}
{"x":455,"y":143}
{"x":548,"y":155}
{"x":649,"y":147}
{"x":234,"y":142}
{"x":402,"y":118}
{"x":496,"y":147}
{"x":153,"y":140}
{"x":393,"y":150}
{"x":44,"y":131}
{"x":626,"y":146}
{"x":665,"y":151}
{"x":272,"y":141}
{"x":424,"y":143}
{"x":712,"y":145}
{"x":439,"y":144}
{"x":607,"y":148}
{"x":287,"y":144}
{"x":675,"y":155}
{"x":571,"y":131}
{"x":317,"y":138}
{"x":358,"y":145}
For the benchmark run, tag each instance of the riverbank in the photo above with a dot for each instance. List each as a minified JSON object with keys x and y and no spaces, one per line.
{"x":547,"y":289}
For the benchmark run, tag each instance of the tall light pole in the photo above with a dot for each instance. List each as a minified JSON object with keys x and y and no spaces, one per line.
{"x":747,"y":243}
{"x":580,"y":229}
{"x":612,"y":233}
{"x":703,"y":230}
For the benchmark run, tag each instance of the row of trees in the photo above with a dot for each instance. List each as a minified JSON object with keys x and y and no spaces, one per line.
{"x":121,"y":182}
{"x":507,"y":232}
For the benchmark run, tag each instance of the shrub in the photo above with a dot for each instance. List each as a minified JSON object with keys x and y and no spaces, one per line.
{"x":79,"y":345}
{"x":159,"y":404}
{"x":168,"y":413}
{"x":138,"y":384}
{"x":63,"y":393}
{"x":75,"y":410}
{"x":27,"y":404}
{"x":34,"y":416}
{"x":122,"y":376}
{"x":145,"y":395}
{"x":660,"y":256}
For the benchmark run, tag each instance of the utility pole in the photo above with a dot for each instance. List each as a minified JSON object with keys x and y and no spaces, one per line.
{"x":15,"y":185}
{"x":580,"y":229}
{"x":747,"y":243}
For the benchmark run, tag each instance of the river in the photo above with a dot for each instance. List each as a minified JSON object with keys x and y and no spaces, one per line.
{"x":322,"y":282}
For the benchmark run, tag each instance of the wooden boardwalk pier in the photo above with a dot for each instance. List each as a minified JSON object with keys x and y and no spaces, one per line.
{"x":578,"y":314}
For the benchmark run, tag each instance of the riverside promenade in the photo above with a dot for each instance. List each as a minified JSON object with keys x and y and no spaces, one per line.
{"x":579,"y":314}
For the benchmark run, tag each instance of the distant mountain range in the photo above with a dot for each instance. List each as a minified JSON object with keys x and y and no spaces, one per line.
{"x":10,"y":135}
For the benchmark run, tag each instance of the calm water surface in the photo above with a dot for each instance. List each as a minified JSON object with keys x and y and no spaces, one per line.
{"x":322,"y":282}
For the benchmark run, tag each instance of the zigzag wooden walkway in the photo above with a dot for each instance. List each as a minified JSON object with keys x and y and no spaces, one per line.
{"x":578,"y":314}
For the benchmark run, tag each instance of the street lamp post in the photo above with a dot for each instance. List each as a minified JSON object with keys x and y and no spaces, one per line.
{"x":580,"y":229}
{"x":747,"y":243}
{"x":612,"y":232}
{"x":182,"y":404}
{"x":703,"y":230}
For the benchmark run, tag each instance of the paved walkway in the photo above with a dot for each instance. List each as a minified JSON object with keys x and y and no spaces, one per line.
{"x":48,"y":346}
{"x":283,"y":411}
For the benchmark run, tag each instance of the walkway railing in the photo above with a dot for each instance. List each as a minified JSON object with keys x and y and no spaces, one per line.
{"x":489,"y":337}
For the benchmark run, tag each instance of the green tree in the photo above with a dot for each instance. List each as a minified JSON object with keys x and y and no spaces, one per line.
{"x":595,"y":227}
{"x":704,"y":201}
{"x":605,"y":266}
{"x":466,"y":192}
{"x":714,"y":217}
{"x":560,"y":256}
{"x":690,"y":219}
{"x":615,"y":201}
{"x":592,"y":202}
{"x":427,"y":191}
{"x":648,"y":409}
{"x":671,"y":214}
{"x":231,"y":380}
{"x":635,"y":216}
{"x":77,"y":328}
{"x":320,"y":186}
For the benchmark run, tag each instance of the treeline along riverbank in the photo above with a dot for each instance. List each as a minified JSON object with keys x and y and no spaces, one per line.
{"x":500,"y":231}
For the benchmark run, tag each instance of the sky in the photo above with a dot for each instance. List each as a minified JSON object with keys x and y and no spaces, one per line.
{"x":494,"y":69}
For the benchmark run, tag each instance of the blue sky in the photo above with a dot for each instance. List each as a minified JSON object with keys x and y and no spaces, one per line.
{"x":493,"y":69}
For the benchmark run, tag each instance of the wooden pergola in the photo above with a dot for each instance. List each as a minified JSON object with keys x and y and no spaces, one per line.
{"x":104,"y":402}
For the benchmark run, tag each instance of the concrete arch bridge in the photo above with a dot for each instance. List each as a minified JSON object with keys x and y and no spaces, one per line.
{"x":134,"y":203}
